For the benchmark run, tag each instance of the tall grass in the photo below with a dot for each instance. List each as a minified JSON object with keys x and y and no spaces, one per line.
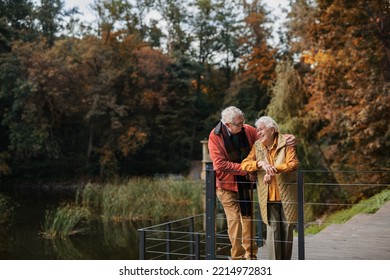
{"x":67,"y":219}
{"x":142,"y":199}
{"x":137,"y":199}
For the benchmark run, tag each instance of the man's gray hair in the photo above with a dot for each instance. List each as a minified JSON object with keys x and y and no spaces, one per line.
{"x":268,"y":122}
{"x":229,"y":113}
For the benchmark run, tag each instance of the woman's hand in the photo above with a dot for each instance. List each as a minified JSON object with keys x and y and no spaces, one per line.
{"x":267,"y":178}
{"x":268,"y":168}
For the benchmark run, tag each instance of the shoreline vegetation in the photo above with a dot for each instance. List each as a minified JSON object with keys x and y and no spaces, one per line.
{"x":148,"y":201}
{"x":138,"y":200}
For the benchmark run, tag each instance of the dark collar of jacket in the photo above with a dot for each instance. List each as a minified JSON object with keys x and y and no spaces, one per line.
{"x":218,"y":128}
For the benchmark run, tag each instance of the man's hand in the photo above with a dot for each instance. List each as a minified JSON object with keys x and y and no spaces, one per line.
{"x":290,"y":140}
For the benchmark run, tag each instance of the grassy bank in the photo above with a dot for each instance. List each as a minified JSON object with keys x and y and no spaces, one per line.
{"x":368,"y":206}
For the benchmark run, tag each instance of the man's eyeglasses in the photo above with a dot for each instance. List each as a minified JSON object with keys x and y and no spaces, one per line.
{"x":240,"y":124}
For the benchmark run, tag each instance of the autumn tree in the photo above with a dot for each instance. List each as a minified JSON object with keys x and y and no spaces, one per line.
{"x":289,"y":97}
{"x":249,"y":90}
{"x":348,"y":92}
{"x":379,"y":18}
{"x":360,"y":94}
{"x":303,"y":14}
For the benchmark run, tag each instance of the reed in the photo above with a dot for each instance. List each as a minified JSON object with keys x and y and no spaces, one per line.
{"x":136,"y":199}
{"x":90,"y":196}
{"x":143,"y":199}
{"x":66,"y":220}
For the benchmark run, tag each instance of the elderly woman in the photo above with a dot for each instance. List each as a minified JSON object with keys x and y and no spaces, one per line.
{"x":274,"y":163}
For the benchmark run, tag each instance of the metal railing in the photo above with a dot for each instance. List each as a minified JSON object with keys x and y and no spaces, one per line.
{"x":204,"y":236}
{"x":179,"y":239}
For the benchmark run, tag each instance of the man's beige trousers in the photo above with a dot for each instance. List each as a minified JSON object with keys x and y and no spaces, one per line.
{"x":241,"y":229}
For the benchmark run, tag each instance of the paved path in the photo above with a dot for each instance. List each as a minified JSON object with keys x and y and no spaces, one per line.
{"x":364,"y":237}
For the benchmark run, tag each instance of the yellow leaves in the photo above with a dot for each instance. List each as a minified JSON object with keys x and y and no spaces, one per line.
{"x":133,"y":140}
{"x":108,"y":158}
{"x":318,"y":58}
{"x":199,"y":86}
{"x":149,"y":99}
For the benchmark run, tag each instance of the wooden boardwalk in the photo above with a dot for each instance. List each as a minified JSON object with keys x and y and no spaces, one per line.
{"x":364,"y":237}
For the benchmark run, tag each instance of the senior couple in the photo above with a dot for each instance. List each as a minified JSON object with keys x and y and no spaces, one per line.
{"x":241,"y":156}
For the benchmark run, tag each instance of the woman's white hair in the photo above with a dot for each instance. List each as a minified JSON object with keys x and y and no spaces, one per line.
{"x":268,"y":122}
{"x":229,"y":113}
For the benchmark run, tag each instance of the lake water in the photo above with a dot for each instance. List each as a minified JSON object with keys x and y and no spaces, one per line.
{"x":20,"y":239}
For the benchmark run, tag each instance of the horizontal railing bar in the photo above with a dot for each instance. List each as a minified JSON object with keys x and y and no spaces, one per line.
{"x":323,"y":171}
{"x":172,"y":222}
{"x":343,"y":185}
{"x":171,"y":254}
{"x":175,"y":240}
{"x":155,"y":232}
{"x":342,"y":204}
{"x":342,"y":171}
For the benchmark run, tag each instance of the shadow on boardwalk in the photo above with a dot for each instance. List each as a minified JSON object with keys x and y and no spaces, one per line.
{"x":364,"y":237}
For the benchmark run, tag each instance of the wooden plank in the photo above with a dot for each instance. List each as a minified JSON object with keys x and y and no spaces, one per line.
{"x":364,"y":237}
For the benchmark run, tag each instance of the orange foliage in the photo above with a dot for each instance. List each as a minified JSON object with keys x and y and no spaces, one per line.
{"x":349,"y":101}
{"x":260,"y":64}
{"x":133,"y":140}
{"x":318,"y":58}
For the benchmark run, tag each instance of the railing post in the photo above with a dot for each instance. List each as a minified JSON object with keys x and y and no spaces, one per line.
{"x":142,"y":241}
{"x":192,"y":237}
{"x":259,"y":226}
{"x":197,"y":246}
{"x":210,"y":212}
{"x":301,"y":229}
{"x":168,"y":241}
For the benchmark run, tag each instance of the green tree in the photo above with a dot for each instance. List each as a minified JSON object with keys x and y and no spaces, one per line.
{"x":53,"y":19}
{"x":122,"y":15}
{"x":175,"y":15}
{"x":48,"y":14}
{"x":230,"y":25}
{"x":16,"y":22}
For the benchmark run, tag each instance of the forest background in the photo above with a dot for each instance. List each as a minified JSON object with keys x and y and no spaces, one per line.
{"x":122,"y":96}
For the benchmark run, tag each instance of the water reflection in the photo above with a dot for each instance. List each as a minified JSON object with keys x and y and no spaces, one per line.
{"x":63,"y":249}
{"x":20,"y":237}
